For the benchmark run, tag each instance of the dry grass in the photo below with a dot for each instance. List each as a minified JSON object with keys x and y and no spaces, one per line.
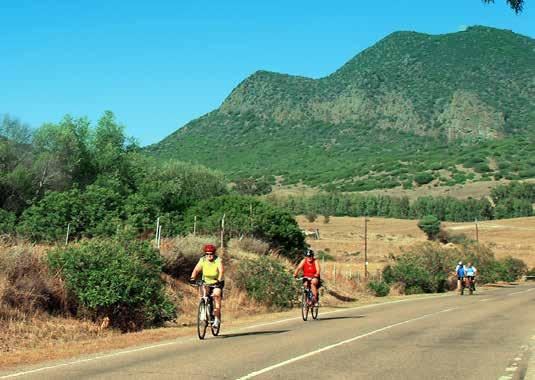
{"x":343,"y":237}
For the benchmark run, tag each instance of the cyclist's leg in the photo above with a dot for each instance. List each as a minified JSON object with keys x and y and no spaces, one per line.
{"x":216,"y":295}
{"x":314,"y":285}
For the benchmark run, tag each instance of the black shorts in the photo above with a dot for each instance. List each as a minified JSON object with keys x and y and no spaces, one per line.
{"x":460,"y":278}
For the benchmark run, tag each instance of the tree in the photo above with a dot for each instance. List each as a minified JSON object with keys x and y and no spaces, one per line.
{"x":430,"y":225}
{"x":516,"y":5}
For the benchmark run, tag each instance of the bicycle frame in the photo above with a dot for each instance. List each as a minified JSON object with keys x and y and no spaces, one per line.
{"x":205,"y":315}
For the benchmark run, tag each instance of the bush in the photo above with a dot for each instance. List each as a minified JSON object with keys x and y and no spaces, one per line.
{"x":311,"y":217}
{"x":531,"y":272}
{"x":251,"y":245}
{"x":425,"y":267}
{"x":430,"y":225}
{"x":248,"y":216}
{"x":423,"y":178}
{"x":27,"y":285}
{"x":7,"y":222}
{"x":267,"y":281}
{"x":114,"y":279}
{"x":184,"y":253}
{"x":380,"y":288}
{"x":512,"y":269}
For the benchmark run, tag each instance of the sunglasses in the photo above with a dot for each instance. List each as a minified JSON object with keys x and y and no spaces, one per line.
{"x":209,"y":253}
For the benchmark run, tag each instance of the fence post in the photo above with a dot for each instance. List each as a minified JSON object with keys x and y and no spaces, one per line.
{"x":223,"y":231}
{"x":68,"y":230}
{"x":157,"y":229}
{"x":159,"y":235}
{"x":194,"y":225}
{"x":334,"y":273}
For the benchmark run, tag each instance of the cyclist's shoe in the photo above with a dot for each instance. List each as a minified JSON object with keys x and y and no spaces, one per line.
{"x":216,"y":323}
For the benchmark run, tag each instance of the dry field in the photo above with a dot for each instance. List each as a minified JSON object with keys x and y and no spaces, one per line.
{"x":470,"y":189}
{"x":343,"y":237}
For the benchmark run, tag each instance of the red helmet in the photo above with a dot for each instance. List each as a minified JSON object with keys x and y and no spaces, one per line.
{"x":210,"y":248}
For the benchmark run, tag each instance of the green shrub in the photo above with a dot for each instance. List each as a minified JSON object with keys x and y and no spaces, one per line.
{"x":7,"y":222}
{"x":531,"y":272}
{"x":512,"y":269}
{"x":267,"y":281}
{"x":380,"y":288}
{"x":311,"y":217}
{"x":414,"y":289}
{"x":423,"y":178}
{"x":426,"y":267}
{"x":120,"y":280}
{"x":248,"y":216}
{"x":430,"y":225}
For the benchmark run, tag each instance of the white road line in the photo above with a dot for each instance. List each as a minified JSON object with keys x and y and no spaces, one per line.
{"x":523,"y":291}
{"x":485,"y":300}
{"x":330,"y":347}
{"x":194,"y":339}
{"x":95,"y":358}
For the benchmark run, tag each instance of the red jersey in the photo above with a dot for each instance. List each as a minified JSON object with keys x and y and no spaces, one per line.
{"x":309,"y":268}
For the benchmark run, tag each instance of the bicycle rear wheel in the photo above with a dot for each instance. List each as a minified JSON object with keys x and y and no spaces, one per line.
{"x":304,"y":306}
{"x":202,"y":320}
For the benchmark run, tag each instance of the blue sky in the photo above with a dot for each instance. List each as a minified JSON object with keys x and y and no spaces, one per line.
{"x":159,"y":64}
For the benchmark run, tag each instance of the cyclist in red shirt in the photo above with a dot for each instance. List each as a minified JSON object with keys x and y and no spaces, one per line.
{"x":311,"y":269}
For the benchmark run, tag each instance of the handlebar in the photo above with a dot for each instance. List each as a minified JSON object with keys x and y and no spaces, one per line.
{"x":199,"y":283}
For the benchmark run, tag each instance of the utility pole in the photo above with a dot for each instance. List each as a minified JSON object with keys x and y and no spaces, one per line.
{"x":365,"y":248}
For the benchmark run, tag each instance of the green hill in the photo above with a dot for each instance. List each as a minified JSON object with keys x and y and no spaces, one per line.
{"x":411,"y":109}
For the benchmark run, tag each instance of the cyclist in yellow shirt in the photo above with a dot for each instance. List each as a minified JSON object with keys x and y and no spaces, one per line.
{"x":212,"y":271}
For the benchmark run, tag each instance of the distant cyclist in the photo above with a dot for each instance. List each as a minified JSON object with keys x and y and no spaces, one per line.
{"x":460,"y":272}
{"x":311,"y":269}
{"x":212,"y":271}
{"x":470,"y":273}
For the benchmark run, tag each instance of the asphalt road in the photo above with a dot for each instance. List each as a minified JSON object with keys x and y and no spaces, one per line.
{"x":484,"y":336}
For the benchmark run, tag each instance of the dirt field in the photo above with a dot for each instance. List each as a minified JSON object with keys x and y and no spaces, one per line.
{"x":343,"y":237}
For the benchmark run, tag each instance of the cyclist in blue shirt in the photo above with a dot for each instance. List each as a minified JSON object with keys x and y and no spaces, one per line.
{"x":470,"y":273}
{"x":460,"y":272}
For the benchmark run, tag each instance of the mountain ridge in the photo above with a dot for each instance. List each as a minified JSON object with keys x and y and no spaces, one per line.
{"x":451,"y":89}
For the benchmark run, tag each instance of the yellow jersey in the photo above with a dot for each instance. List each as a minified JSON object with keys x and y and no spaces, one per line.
{"x":210,"y":270}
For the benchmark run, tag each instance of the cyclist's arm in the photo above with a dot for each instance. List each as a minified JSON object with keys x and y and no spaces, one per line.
{"x":221,"y":270}
{"x":196,"y":270}
{"x":299,"y":267}
{"x":317,"y":268}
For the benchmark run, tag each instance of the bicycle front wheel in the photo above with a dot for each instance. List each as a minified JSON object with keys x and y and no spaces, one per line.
{"x":202,"y":320}
{"x":315,"y":309}
{"x":304,"y":307}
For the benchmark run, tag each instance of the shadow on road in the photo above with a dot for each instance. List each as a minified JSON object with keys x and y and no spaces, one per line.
{"x":254,"y":333}
{"x":340,"y":297}
{"x":335,"y":318}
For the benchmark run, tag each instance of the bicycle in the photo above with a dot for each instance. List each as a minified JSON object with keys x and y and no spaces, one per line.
{"x":205,"y":314}
{"x":307,"y":300}
{"x":468,"y":282}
